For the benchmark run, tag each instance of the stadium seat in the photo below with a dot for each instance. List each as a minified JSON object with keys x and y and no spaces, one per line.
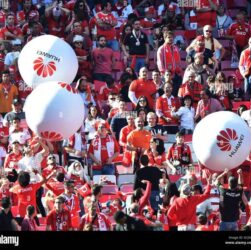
{"x":190,"y":34}
{"x":236,"y":105}
{"x":109,"y":189}
{"x":120,"y":169}
{"x":126,"y":188}
{"x":225,"y":43}
{"x":125,"y":179}
{"x":226,"y":65}
{"x":110,"y":179}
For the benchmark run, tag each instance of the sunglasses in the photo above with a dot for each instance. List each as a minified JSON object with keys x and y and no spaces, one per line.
{"x":52,"y":158}
{"x":142,"y":100}
{"x":209,"y":31}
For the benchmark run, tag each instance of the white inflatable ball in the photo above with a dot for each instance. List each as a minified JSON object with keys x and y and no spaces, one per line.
{"x":54,"y":111}
{"x":222,"y":140}
{"x":47,"y":58}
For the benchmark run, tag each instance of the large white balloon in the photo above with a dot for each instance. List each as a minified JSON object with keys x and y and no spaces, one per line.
{"x":54,"y":111}
{"x":222,"y":140}
{"x":47,"y":58}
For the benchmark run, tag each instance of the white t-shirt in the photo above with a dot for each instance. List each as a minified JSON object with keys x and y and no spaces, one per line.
{"x":186,"y":117}
{"x":30,"y":163}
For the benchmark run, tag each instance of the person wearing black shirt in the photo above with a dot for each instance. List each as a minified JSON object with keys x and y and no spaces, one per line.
{"x":152,"y":174}
{"x":7,"y":222}
{"x":230,"y":199}
{"x":138,"y":45}
{"x":125,"y":222}
{"x":157,"y":131}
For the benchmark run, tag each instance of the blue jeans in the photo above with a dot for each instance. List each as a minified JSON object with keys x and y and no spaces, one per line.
{"x":113,"y":44}
{"x":140,"y":62}
{"x":228,"y":226}
{"x":108,"y":169}
{"x":155,"y":200}
{"x":247,"y":87}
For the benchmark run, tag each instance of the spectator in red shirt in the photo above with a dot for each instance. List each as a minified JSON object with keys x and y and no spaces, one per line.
{"x":239,"y":31}
{"x":168,"y":58}
{"x":10,"y":31}
{"x":165,"y":104}
{"x":56,"y":17}
{"x":26,"y":191}
{"x":103,"y":60}
{"x":191,"y":87}
{"x":183,"y":209}
{"x":207,"y":105}
{"x":245,"y":69}
{"x":106,"y":22}
{"x":13,"y":157}
{"x":206,"y":12}
{"x":94,"y":220}
{"x":103,"y":150}
{"x":59,"y":219}
{"x":142,"y":87}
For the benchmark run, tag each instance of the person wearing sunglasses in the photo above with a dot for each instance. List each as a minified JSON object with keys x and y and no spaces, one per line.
{"x":200,"y":47}
{"x":211,"y":43}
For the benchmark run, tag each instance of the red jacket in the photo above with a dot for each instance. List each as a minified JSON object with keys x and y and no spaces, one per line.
{"x":183,"y":210}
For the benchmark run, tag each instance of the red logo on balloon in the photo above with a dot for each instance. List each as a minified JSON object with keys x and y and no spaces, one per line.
{"x":225,"y":137}
{"x":42,"y":69}
{"x":68,"y":87}
{"x":52,"y":136}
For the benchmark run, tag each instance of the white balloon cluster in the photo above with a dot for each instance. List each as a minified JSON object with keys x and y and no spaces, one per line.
{"x":54,"y":110}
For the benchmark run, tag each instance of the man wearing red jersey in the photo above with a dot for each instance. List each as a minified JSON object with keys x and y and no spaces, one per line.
{"x":103,"y":149}
{"x":239,"y":31}
{"x":56,"y":17}
{"x":191,"y":87}
{"x":142,"y":87}
{"x":124,"y":132}
{"x":59,"y":219}
{"x":10,"y":31}
{"x":164,"y":106}
{"x":206,"y":12}
{"x":71,"y":202}
{"x":168,"y":58}
{"x":12,"y":158}
{"x":183,"y":209}
{"x":26,"y":191}
{"x":179,"y":155}
{"x":94,"y":220}
{"x":52,"y":166}
{"x":245,"y":69}
{"x":106,"y":23}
